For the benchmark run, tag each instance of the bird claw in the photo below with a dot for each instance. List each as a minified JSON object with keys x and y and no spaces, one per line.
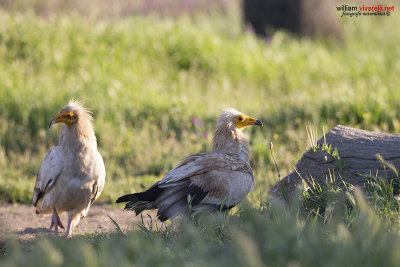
{"x":56,"y":222}
{"x":68,"y":235}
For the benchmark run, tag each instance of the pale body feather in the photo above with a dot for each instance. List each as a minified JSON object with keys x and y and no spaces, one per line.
{"x":226,"y":177}
{"x":72,"y":175}
{"x":70,"y":188}
{"x":49,"y":171}
{"x":217,"y":179}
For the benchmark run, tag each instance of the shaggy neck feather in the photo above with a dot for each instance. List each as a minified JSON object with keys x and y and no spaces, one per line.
{"x":80,"y":135}
{"x":231,"y":141}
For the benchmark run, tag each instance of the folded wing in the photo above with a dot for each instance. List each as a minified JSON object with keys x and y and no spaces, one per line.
{"x":211,"y":179}
{"x":48,"y":173}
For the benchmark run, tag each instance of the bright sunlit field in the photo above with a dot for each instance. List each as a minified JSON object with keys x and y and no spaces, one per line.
{"x":155,"y":85}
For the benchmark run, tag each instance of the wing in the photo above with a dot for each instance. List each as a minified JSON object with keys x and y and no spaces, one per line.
{"x":48,"y":173}
{"x":209,"y":178}
{"x":202,"y":163}
{"x":98,"y":184}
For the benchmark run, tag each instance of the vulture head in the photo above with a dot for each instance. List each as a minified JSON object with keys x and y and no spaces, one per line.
{"x":228,"y":136}
{"x":71,"y":114}
{"x":236,"y":120}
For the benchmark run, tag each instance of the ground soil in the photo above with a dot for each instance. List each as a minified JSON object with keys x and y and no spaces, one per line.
{"x":22,"y":221}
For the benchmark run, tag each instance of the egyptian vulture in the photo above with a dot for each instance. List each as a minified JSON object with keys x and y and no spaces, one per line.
{"x":72,"y":174}
{"x":214,"y":180}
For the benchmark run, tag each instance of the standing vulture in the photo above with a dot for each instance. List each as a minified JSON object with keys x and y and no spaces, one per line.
{"x":72,"y":174}
{"x":214,"y":180}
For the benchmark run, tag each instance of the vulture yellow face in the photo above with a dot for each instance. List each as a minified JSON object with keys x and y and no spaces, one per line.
{"x":242,"y":121}
{"x":67,"y":116}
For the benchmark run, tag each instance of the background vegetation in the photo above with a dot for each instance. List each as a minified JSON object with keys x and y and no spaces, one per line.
{"x":156,"y":83}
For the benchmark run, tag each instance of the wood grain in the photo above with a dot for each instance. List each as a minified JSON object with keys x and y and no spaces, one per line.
{"x":357,"y":149}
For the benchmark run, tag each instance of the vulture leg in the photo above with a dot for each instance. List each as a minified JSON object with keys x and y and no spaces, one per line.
{"x":55,"y":221}
{"x":73,"y":219}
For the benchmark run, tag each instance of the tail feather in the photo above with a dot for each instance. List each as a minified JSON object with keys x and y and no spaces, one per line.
{"x":177,"y":203}
{"x":141,"y":201}
{"x":139,"y":206}
{"x":126,"y":198}
{"x":149,"y":195}
{"x":170,"y":201}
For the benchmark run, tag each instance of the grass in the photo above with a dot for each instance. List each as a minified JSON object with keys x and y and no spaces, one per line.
{"x":148,"y":79}
{"x":341,"y":227}
{"x":155,"y":85}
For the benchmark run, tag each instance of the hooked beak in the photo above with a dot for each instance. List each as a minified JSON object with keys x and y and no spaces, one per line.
{"x":247,"y":121}
{"x":52,"y":122}
{"x":63,"y":116}
{"x":251,"y":121}
{"x":259,"y":123}
{"x":56,"y":119}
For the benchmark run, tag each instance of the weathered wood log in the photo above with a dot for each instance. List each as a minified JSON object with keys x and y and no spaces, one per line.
{"x":357,"y":150}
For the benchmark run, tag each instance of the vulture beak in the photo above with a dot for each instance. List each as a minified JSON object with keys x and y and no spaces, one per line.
{"x":52,"y":122}
{"x":251,"y":121}
{"x":64,"y":116}
{"x":259,"y":123}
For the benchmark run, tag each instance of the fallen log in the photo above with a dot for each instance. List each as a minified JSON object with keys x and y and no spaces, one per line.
{"x":356,"y":151}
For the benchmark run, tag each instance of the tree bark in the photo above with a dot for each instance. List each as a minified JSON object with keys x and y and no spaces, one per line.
{"x":357,"y":150}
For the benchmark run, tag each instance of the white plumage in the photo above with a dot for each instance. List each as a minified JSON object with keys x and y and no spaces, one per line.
{"x":72,"y":174}
{"x":220,"y":177}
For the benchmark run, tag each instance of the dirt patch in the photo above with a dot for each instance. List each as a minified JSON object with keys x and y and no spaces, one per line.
{"x":22,"y":220}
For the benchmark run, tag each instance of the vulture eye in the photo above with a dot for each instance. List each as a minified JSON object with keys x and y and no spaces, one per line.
{"x":240,"y":118}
